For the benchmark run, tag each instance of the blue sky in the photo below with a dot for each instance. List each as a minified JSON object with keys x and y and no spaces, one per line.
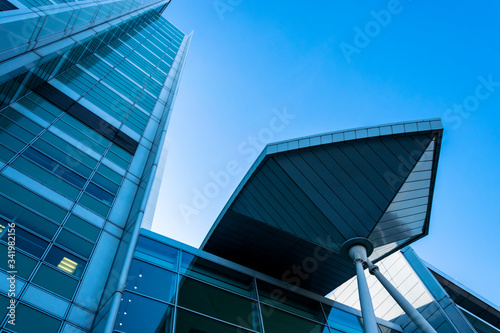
{"x":334,"y":65}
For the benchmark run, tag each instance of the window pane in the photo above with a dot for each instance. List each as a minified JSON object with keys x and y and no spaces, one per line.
{"x":73,"y":162}
{"x":24,"y":264}
{"x":79,"y":136}
{"x":16,"y":131}
{"x":22,"y":121}
{"x":6,"y":154}
{"x":65,"y":261}
{"x":218,"y":303}
{"x":104,"y":182}
{"x":154,"y":316}
{"x":119,"y":151}
{"x":45,"y":177}
{"x":216,"y":274}
{"x":30,"y":199}
{"x":27,"y":242}
{"x":277,"y":321}
{"x":9,"y":141}
{"x":66,"y":147}
{"x":94,"y":204}
{"x":99,"y":193}
{"x":55,"y":281}
{"x":82,"y":227}
{"x":29,"y":320}
{"x":289,"y":301}
{"x":24,"y":217}
{"x":75,"y":243}
{"x":168,"y":255}
{"x":117,"y":160}
{"x":107,"y":172}
{"x":4,"y":303}
{"x":54,"y":167}
{"x":341,"y":320}
{"x":188,"y":322}
{"x":151,"y":281}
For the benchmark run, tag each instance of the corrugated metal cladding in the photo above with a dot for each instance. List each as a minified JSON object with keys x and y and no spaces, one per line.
{"x":295,"y":210}
{"x":6,"y":5}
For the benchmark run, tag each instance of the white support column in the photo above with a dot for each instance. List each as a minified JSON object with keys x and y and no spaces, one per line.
{"x":358,"y":255}
{"x":414,"y":315}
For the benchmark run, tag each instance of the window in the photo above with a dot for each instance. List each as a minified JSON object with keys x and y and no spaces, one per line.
{"x":188,"y":322}
{"x":30,"y":199}
{"x":341,"y":320}
{"x":105,"y":183}
{"x":218,"y":303}
{"x":27,"y":241}
{"x":65,"y":261}
{"x":218,"y":275}
{"x":82,"y":228}
{"x":94,"y":204}
{"x":99,"y":193}
{"x":277,"y":321}
{"x":34,"y":321}
{"x":155,"y":316}
{"x":45,"y":177}
{"x":69,"y":157}
{"x":26,"y":218}
{"x":290,"y":301}
{"x":168,"y":256}
{"x":145,"y":279}
{"x":24,"y":264}
{"x":75,"y":243}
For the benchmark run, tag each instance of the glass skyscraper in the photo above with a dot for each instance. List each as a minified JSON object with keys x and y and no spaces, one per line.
{"x":86,"y":92}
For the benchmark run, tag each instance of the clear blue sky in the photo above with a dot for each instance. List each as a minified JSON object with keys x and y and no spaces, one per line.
{"x":250,"y":59}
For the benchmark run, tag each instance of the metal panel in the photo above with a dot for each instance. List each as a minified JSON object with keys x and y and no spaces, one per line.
{"x":311,"y":194}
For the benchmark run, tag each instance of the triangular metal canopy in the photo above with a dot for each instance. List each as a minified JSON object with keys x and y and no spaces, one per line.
{"x":303,"y":198}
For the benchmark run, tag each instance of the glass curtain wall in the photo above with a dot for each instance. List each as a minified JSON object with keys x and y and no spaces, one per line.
{"x":173,"y":290}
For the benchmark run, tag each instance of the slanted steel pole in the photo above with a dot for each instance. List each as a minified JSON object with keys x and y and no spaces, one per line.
{"x":414,"y":315}
{"x":358,"y":255}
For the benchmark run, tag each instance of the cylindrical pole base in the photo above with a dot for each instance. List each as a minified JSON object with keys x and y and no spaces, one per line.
{"x":358,"y":254}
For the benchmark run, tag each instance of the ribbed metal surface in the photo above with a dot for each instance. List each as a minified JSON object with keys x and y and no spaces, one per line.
{"x":6,"y":5}
{"x":308,"y":197}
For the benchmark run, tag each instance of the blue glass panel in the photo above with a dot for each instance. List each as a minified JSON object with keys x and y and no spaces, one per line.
{"x":277,"y":321}
{"x":27,"y":242}
{"x":168,"y":255}
{"x":99,"y":193}
{"x":218,"y":275}
{"x":65,"y":261}
{"x":154,"y":316}
{"x":342,"y":321}
{"x":151,"y":281}
{"x":54,"y":167}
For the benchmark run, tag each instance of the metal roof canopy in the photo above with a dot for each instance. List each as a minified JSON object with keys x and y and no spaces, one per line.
{"x":303,"y":198}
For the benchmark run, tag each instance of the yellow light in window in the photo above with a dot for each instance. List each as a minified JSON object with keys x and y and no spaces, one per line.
{"x":67,"y":265}
{"x":1,"y":228}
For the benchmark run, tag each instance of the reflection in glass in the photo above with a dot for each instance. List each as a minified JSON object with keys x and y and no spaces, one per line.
{"x":216,"y":274}
{"x":140,"y":314}
{"x":167,"y":254}
{"x":289,"y":301}
{"x":188,"y":322}
{"x":151,"y":281}
{"x":342,"y":320}
{"x":218,"y":303}
{"x":24,"y":240}
{"x":277,"y":321}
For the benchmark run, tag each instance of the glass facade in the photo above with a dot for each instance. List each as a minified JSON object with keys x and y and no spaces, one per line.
{"x":186,"y":290}
{"x":81,"y":130}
